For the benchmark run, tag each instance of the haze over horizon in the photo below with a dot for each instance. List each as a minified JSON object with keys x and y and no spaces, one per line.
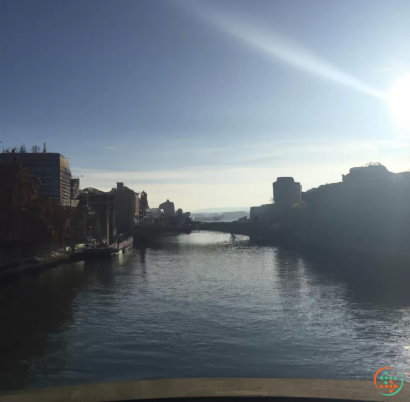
{"x":206,"y":103}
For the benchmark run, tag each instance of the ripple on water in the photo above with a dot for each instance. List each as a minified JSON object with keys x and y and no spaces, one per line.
{"x":204,"y":305}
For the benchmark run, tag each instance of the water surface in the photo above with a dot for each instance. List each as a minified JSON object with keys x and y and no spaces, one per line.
{"x":205,"y":305}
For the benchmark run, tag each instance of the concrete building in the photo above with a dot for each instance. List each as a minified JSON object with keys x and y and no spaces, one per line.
{"x":137,"y":204}
{"x":169,"y":209}
{"x":286,"y":191}
{"x":125,"y":208}
{"x":74,"y":188}
{"x":256,"y":212}
{"x":100,"y":213}
{"x":364,"y":185}
{"x":52,"y":169}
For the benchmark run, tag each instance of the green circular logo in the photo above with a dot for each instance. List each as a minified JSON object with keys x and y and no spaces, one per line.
{"x":388,"y":381}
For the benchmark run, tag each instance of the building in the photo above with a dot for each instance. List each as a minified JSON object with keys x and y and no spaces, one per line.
{"x":125,"y":208}
{"x":256,"y":212}
{"x":374,"y":173}
{"x":366,"y":186}
{"x":52,"y":169}
{"x":137,"y":204}
{"x":143,"y":203}
{"x":169,"y":209}
{"x":77,"y":224}
{"x":286,"y":192}
{"x":74,"y":188}
{"x":100,"y":214}
{"x":155,"y":213}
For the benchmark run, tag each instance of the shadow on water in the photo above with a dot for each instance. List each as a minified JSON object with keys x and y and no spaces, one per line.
{"x":361,"y":298}
{"x":102,"y":270}
{"x":274,"y":296}
{"x":164,"y":243}
{"x":37,"y":309}
{"x":143,"y":251}
{"x":376,"y":296}
{"x":372,"y":279}
{"x":31,"y":310}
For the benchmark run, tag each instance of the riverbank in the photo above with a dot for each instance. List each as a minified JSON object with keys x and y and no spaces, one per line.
{"x":39,"y":263}
{"x":305,"y":237}
{"x":32,"y":265}
{"x":258,"y":235}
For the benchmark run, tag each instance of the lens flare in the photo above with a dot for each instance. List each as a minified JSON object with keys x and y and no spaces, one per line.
{"x":399,"y":102}
{"x":279,"y":48}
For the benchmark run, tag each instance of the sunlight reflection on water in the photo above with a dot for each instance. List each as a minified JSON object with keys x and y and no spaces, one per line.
{"x":205,"y":305}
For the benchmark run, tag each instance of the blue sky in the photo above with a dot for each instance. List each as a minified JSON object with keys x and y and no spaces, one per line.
{"x":207,"y":102}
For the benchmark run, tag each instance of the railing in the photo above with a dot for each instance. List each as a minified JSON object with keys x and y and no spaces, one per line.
{"x":236,"y":389}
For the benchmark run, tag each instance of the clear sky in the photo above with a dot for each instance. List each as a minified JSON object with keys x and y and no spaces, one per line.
{"x":207,"y":102}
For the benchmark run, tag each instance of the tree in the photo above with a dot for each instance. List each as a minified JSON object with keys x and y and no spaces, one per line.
{"x":26,"y":217}
{"x":144,"y":202}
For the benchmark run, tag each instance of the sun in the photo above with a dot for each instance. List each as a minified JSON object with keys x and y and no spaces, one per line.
{"x":399,"y":102}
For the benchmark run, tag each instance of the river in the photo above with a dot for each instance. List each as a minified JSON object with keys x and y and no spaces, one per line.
{"x":205,"y":305}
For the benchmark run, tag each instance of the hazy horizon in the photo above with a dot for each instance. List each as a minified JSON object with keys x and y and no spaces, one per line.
{"x":222,"y":209}
{"x":206,"y":103}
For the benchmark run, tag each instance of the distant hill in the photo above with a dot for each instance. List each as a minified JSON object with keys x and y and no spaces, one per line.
{"x":224,"y":209}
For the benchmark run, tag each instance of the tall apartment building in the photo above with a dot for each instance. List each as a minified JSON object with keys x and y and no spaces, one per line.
{"x":74,"y":188}
{"x":125,"y":204}
{"x":52,"y":169}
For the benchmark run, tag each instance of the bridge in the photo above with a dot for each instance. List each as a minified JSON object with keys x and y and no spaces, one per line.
{"x":251,"y":229}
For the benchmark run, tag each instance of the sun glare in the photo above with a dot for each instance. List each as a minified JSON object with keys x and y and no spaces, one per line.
{"x":399,"y":102}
